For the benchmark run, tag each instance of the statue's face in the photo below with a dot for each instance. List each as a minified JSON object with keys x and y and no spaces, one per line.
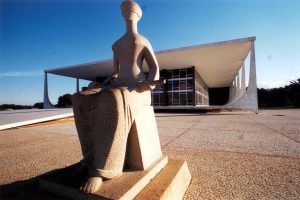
{"x":130,"y":16}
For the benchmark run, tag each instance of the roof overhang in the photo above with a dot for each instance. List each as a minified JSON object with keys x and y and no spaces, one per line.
{"x":217,"y":63}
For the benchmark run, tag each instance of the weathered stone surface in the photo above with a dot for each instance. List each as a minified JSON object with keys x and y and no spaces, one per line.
{"x":126,"y":186}
{"x":143,"y":146}
{"x":105,"y":116}
{"x":171,"y":183}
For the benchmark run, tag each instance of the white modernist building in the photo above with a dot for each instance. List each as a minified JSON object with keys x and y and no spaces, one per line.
{"x":191,"y":73}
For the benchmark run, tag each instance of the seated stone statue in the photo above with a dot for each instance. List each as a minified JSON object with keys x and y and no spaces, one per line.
{"x":104,"y":118}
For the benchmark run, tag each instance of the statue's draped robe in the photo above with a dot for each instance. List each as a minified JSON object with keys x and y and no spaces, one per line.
{"x":103,"y":121}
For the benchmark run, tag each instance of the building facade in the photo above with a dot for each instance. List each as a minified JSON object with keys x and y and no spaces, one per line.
{"x":190,"y":73}
{"x":184,"y":87}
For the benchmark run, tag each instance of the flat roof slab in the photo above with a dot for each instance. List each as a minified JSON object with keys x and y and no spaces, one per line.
{"x":217,"y":63}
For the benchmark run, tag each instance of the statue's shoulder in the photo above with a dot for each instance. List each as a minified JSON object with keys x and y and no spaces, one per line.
{"x":142,"y":40}
{"x":117,"y":44}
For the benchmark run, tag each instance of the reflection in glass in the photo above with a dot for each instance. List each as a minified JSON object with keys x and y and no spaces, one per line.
{"x":183,"y":99}
{"x":176,"y":73}
{"x":175,"y":98}
{"x":190,"y":72}
{"x":170,"y":98}
{"x":190,"y":98}
{"x":155,"y":99}
{"x":175,"y":85}
{"x":183,"y":85}
{"x":190,"y":84}
{"x":182,"y":73}
{"x":170,"y":85}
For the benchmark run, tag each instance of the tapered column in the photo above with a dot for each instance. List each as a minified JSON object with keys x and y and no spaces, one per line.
{"x":47,"y":102}
{"x":252,"y":87}
{"x":77,"y":85}
{"x":238,"y":82}
{"x":243,"y":81}
{"x":248,"y":100}
{"x":232,"y":90}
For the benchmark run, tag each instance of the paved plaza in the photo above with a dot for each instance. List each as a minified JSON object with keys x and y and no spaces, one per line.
{"x":231,"y":155}
{"x":16,"y":118}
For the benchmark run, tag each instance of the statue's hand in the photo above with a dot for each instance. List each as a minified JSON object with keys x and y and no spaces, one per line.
{"x":143,"y":87}
{"x":113,"y":79}
{"x":109,"y":80}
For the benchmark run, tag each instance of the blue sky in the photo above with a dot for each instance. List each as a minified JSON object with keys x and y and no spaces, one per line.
{"x":36,"y":35}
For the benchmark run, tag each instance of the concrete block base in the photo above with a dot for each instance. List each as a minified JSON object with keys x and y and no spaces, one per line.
{"x":171,"y":183}
{"x":160,"y":181}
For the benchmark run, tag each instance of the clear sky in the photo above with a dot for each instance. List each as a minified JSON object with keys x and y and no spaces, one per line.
{"x":41,"y":34}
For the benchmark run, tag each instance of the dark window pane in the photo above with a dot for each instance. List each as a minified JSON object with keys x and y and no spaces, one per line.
{"x":161,"y":99}
{"x":190,"y":72}
{"x":182,"y":73}
{"x":170,"y":99}
{"x":175,"y":85}
{"x":183,"y":99}
{"x":183,"y":85}
{"x":160,"y":87}
{"x":163,"y":73}
{"x":155,"y":99}
{"x":169,"y":74}
{"x":170,"y":85}
{"x":176,"y":73}
{"x":175,"y":98}
{"x":190,"y":98}
{"x":190,"y":84}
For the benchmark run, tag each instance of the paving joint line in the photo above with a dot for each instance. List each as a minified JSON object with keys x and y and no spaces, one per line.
{"x":62,"y":134}
{"x":31,"y":144}
{"x":167,"y":144}
{"x":224,"y":151}
{"x":277,"y":132}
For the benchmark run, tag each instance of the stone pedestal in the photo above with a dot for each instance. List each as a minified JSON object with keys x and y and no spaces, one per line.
{"x":147,"y":173}
{"x":160,"y":181}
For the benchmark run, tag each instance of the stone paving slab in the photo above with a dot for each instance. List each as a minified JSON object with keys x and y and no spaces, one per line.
{"x":231,"y":126}
{"x":34,"y":153}
{"x":231,"y":155}
{"x":266,"y":143}
{"x":229,"y":175}
{"x":167,"y":135}
{"x":67,"y":128}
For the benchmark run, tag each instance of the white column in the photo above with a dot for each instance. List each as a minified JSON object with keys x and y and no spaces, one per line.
{"x":232,"y":91}
{"x":252,"y":87}
{"x":249,"y":99}
{"x":243,"y":81}
{"x":47,"y":102}
{"x":238,"y":82}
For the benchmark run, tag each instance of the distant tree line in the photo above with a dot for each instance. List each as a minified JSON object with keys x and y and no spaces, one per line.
{"x":288,"y":96}
{"x":64,"y":101}
{"x":17,"y":107}
{"x":14,"y":107}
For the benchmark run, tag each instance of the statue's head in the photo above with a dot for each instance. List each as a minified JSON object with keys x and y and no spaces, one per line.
{"x":131,"y":10}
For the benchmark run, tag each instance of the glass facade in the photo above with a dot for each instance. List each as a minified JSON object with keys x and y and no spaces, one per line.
{"x":201,"y":91}
{"x":184,"y":87}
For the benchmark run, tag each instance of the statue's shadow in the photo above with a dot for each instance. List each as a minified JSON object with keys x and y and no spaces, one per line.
{"x":29,"y":189}
{"x":69,"y":178}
